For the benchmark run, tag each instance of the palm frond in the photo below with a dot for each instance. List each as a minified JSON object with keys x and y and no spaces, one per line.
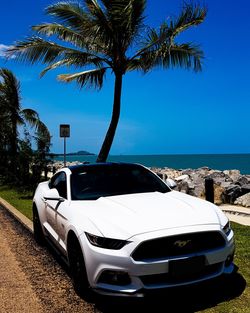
{"x":92,"y":78}
{"x":187,"y":55}
{"x":76,"y":60}
{"x":42,"y":138}
{"x":9,"y":80}
{"x":30,"y":116}
{"x":153,"y":40}
{"x":10,"y":89}
{"x":62,"y":32}
{"x":134,"y":12}
{"x":102,"y":32}
{"x":191,"y":15}
{"x":126,"y":19}
{"x":80,"y":59}
{"x":132,"y":22}
{"x":54,"y":66}
{"x":134,"y":64}
{"x":43,"y":131}
{"x":160,"y":49}
{"x":69,"y":13}
{"x":36,"y":49}
{"x":77,"y":19}
{"x":95,"y":10}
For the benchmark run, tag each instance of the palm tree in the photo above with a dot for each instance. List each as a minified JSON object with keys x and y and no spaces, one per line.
{"x":10,"y":102}
{"x":12,"y":115}
{"x":110,"y":35}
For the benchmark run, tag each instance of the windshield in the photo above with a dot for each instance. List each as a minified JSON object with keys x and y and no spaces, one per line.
{"x":93,"y":182}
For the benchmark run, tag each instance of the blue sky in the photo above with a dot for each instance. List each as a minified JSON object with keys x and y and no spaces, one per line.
{"x":163,"y":112}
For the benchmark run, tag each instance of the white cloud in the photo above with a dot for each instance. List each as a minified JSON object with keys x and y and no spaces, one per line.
{"x":3,"y":49}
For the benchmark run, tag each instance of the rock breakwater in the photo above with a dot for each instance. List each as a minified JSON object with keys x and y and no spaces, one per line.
{"x":230,"y":186}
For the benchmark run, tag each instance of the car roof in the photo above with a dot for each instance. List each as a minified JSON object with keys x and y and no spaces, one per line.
{"x":98,"y":166}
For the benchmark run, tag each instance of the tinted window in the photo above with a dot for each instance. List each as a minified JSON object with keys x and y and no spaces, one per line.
{"x":102,"y":181}
{"x":58,"y":181}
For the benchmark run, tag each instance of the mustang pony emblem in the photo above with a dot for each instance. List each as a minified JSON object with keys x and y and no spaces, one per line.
{"x":181,"y":243}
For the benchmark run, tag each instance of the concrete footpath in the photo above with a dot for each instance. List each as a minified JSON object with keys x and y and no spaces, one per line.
{"x":238,"y":214}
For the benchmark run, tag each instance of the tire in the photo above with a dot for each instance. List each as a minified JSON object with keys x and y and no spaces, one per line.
{"x":38,"y":232}
{"x":78,"y":271}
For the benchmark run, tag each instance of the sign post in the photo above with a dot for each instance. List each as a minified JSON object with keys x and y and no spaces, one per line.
{"x":64,"y":133}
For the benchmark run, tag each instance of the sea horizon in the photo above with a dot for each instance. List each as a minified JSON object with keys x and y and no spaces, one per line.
{"x":238,"y":161}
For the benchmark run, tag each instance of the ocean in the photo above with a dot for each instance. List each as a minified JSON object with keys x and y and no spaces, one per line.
{"x":180,"y":161}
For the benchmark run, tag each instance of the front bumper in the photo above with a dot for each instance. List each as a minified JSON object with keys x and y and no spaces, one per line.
{"x":147,"y":291}
{"x":151,"y":274}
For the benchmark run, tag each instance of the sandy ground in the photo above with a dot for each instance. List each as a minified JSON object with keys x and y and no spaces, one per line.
{"x":31,"y":280}
{"x":16,"y":294}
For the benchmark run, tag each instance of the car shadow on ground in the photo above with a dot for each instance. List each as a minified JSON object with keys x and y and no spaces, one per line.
{"x":185,"y":299}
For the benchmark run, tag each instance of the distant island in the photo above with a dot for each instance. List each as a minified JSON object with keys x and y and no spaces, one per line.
{"x":82,"y":152}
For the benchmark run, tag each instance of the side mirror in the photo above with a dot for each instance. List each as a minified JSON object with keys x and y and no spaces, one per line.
{"x":171,"y":183}
{"x":53,"y":195}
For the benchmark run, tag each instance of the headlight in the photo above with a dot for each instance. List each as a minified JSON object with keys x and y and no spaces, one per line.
{"x":106,"y":243}
{"x":227,"y":228}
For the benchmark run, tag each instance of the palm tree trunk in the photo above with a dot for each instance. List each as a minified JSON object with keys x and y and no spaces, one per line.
{"x":107,"y":143}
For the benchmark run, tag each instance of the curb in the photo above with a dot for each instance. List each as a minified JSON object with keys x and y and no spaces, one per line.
{"x":26,"y":222}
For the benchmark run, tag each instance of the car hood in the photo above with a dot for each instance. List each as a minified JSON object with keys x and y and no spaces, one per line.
{"x":129,"y":215}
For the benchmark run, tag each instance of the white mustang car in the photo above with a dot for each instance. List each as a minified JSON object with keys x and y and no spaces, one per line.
{"x":122,"y":230}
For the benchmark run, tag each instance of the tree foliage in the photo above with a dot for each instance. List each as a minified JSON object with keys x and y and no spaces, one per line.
{"x":15,"y":126}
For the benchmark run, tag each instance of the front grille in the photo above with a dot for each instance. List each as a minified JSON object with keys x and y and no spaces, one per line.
{"x":178,"y":245}
{"x":169,"y":278}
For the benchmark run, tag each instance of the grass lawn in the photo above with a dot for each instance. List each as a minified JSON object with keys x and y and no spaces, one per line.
{"x":236,"y":298}
{"x":22,"y":201}
{"x":225,"y":296}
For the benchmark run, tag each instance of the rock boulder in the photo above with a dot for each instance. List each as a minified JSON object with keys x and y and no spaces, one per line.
{"x":243,"y":200}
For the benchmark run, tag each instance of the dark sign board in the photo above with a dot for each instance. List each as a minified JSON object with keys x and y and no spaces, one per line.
{"x":64,"y":130}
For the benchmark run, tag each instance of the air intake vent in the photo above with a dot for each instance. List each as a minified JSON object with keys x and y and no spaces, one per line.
{"x":178,"y":245}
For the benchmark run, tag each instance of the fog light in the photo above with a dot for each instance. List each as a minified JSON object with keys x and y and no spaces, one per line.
{"x":229,"y":259}
{"x":115,"y":278}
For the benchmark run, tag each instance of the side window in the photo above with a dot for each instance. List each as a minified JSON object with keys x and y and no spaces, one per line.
{"x":58,"y":181}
